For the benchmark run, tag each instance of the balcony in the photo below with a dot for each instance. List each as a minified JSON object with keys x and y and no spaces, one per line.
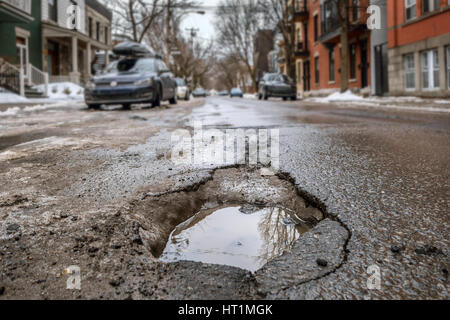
{"x":300,"y":10}
{"x":301,"y":50}
{"x":15,"y":11}
{"x":331,"y":26}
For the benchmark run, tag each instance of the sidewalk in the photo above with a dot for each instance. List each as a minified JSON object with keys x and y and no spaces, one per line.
{"x":397,"y":103}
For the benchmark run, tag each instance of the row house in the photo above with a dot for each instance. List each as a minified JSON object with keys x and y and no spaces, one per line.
{"x":51,"y":40}
{"x":318,"y":49}
{"x":407,"y":54}
{"x":68,"y":53}
{"x":419,"y":47}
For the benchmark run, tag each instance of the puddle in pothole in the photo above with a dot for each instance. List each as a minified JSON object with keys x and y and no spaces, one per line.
{"x":241,"y":236}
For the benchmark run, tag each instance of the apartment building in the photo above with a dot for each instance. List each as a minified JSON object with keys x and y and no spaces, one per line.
{"x":419,"y":47}
{"x":317,"y":49}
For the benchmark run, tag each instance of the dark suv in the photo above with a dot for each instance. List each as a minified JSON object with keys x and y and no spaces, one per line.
{"x":139,"y":77}
{"x":277,"y":85}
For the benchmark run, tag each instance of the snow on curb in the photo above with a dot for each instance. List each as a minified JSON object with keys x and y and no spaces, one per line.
{"x":9,"y":97}
{"x":63,"y":91}
{"x":13,"y":111}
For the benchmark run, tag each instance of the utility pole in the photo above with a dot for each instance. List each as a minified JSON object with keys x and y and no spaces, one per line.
{"x":193,"y":35}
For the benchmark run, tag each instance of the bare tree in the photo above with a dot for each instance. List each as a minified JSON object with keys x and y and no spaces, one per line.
{"x":237,"y":22}
{"x":278,"y":15}
{"x":133,"y":18}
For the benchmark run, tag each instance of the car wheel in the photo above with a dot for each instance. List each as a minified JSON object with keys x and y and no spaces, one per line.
{"x":293,"y":98}
{"x":187,"y":97}
{"x":126,"y":106}
{"x":284,"y":98}
{"x":259,"y":96}
{"x":157,"y":99}
{"x":266,"y":95}
{"x":94,"y":106}
{"x":173,"y":100}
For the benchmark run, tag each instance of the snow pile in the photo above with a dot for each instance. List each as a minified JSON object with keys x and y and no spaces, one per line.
{"x":63,"y":91}
{"x":13,"y":111}
{"x":9,"y":97}
{"x":10,"y":112}
{"x":249,"y":96}
{"x":442,"y":101}
{"x":338,"y":96}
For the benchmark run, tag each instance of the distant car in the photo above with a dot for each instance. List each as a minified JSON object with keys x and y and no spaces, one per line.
{"x":182,"y":89}
{"x":277,"y":85}
{"x":223,"y":93}
{"x":236,"y":92}
{"x":139,"y":77}
{"x":199,"y":92}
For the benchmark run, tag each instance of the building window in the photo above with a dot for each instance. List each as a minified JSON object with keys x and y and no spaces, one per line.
{"x":409,"y":71}
{"x":430,"y":5}
{"x":316,"y":27}
{"x":331,"y":59}
{"x":353,"y":61}
{"x":53,"y":10}
{"x":98,"y":31}
{"x":106,"y":35}
{"x":448,"y":66}
{"x":430,"y":69}
{"x":355,"y":10}
{"x":90,"y":27}
{"x":410,"y":7}
{"x":316,"y":70}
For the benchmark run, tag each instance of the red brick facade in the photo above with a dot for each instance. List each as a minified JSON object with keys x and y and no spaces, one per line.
{"x":320,"y":42}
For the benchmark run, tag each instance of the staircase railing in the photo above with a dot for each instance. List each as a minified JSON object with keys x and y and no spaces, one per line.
{"x":12,"y":78}
{"x":37,"y":77}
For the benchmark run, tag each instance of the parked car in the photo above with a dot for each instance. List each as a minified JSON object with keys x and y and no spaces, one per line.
{"x":199,"y":92}
{"x":139,"y":77}
{"x":182,"y":89}
{"x":236,"y":92}
{"x":277,"y":85}
{"x":223,"y":93}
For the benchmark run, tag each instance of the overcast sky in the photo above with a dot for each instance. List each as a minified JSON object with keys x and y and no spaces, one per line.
{"x":205,"y":23}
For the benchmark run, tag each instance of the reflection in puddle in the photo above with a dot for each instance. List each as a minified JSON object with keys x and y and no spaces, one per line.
{"x":244,"y":237}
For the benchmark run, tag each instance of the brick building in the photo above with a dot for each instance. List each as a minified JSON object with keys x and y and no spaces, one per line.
{"x":419,"y":47}
{"x":317,"y":45}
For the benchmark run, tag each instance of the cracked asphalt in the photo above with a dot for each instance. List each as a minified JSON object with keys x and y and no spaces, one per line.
{"x":98,"y":190}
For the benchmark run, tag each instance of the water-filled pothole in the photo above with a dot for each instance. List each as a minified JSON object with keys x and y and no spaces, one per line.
{"x":207,"y":213}
{"x":243,"y":236}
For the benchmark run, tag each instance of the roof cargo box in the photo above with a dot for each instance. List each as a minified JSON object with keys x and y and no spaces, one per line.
{"x":129,"y":48}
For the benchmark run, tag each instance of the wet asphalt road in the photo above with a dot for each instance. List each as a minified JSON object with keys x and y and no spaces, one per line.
{"x":381,"y":175}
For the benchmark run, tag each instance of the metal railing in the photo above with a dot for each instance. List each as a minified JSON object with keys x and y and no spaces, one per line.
{"x":37,"y":77}
{"x":24,"y":5}
{"x":12,"y":78}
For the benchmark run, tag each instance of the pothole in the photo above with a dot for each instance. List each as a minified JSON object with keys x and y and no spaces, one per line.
{"x":243,"y":236}
{"x":239,"y":217}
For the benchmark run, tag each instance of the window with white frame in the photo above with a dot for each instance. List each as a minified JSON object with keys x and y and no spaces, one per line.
{"x":410,"y":9}
{"x":409,"y":71}
{"x":430,"y":69}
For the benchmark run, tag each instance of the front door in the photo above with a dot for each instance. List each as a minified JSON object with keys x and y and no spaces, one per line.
{"x":364,"y":64}
{"x":306,"y":76}
{"x":381,"y":69}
